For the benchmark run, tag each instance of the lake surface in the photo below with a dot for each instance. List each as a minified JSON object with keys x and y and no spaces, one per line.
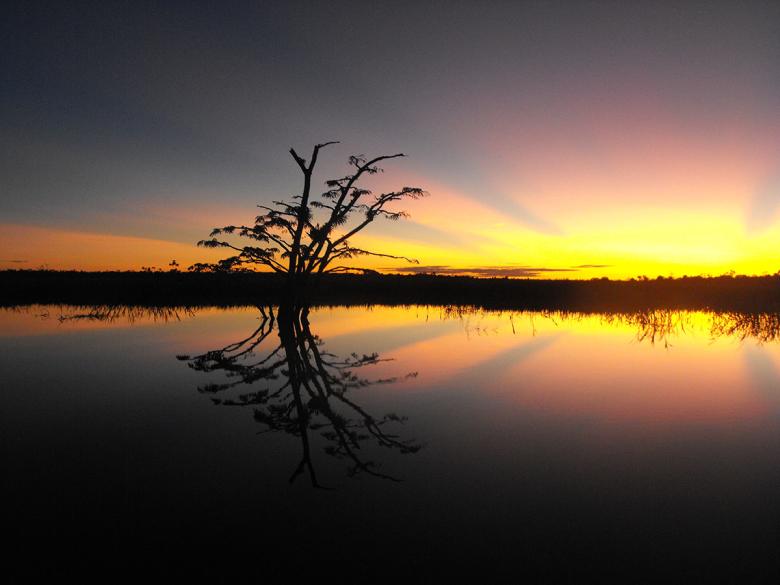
{"x":399,"y":442}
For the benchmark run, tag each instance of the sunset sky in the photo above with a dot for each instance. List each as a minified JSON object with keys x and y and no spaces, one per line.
{"x":564,"y":140}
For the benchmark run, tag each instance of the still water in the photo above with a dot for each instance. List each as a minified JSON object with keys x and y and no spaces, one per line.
{"x":378,"y":443}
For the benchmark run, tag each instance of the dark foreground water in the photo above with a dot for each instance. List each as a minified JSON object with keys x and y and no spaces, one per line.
{"x":390,"y":444}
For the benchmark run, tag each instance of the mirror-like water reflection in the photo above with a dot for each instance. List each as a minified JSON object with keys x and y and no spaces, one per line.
{"x":615,"y":445}
{"x":304,"y":389}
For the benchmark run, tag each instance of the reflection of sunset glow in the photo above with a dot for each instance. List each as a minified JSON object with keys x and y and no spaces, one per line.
{"x":337,"y":321}
{"x":619,"y":382}
{"x":655,"y":368}
{"x":596,"y":367}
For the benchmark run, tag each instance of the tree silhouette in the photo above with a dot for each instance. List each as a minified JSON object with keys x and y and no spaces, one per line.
{"x":310,"y":236}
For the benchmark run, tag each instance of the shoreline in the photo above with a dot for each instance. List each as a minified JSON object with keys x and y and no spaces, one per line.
{"x":721,"y":293}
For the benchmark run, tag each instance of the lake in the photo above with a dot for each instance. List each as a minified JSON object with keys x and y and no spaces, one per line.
{"x":381,"y":443}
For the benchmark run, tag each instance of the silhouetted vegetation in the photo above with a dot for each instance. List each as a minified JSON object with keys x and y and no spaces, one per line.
{"x":651,"y":326}
{"x":308,"y":237}
{"x":724,"y":293}
{"x":124,"y":314}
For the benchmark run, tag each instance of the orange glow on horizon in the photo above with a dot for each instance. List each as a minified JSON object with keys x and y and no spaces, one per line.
{"x":37,"y":247}
{"x":668,"y":206}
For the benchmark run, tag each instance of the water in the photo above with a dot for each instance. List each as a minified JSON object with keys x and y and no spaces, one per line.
{"x":638,"y":447}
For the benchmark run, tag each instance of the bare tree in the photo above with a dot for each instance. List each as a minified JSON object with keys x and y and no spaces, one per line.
{"x":311,"y":235}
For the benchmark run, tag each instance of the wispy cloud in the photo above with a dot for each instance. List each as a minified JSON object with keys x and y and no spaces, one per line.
{"x":483,"y":271}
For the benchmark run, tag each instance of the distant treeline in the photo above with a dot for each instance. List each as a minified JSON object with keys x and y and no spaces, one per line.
{"x":728,"y":293}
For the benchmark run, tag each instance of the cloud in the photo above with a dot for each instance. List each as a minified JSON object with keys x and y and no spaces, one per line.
{"x":579,"y":266}
{"x":483,"y":271}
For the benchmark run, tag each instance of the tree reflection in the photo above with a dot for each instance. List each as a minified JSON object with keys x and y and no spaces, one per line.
{"x":306,"y":390}
{"x":656,"y":326}
{"x":660,"y":324}
{"x":763,"y":327}
{"x":651,"y":326}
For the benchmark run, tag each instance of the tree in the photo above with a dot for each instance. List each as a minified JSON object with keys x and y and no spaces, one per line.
{"x":310,"y":236}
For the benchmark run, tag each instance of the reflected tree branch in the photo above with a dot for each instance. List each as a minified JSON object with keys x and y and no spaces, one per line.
{"x":307,"y":390}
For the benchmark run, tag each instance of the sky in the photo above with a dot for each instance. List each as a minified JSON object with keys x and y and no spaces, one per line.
{"x":555,"y":139}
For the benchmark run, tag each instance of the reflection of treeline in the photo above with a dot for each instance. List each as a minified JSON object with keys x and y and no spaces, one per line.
{"x":652,"y":325}
{"x":725,"y":293}
{"x":658,"y":325}
{"x":107,"y":313}
{"x":762,"y":326}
